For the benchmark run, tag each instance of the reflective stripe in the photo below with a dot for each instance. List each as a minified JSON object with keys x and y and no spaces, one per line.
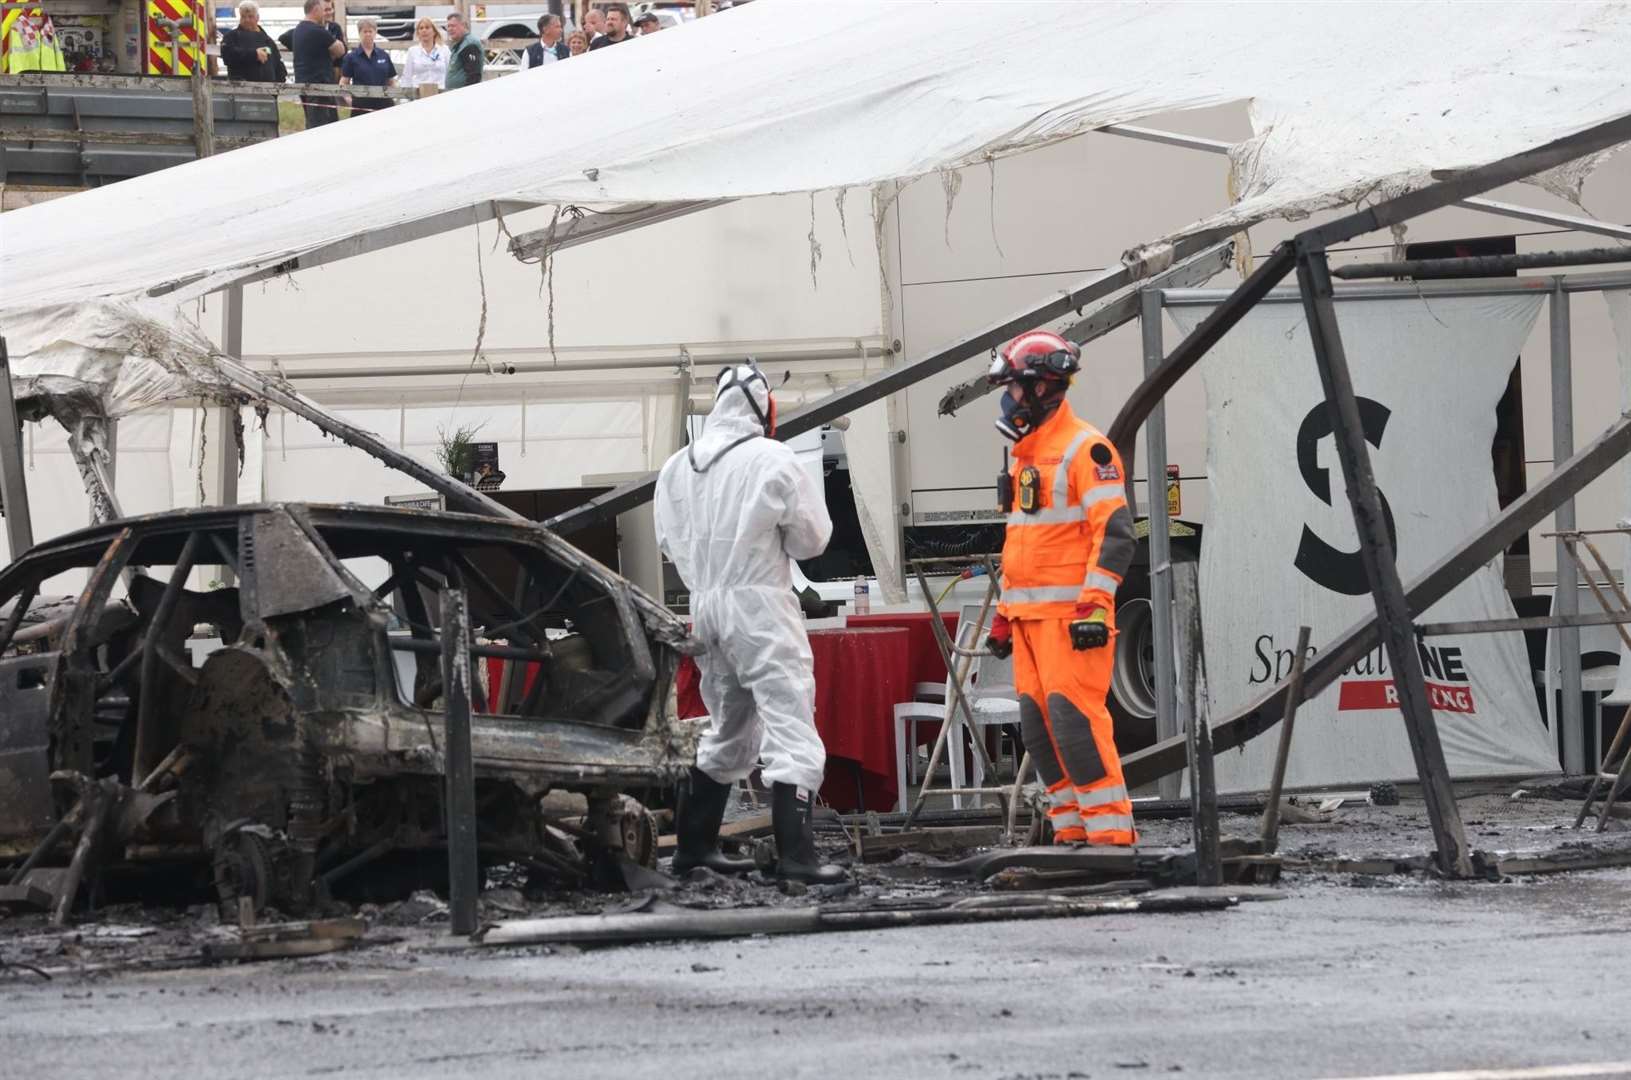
{"x":1061,"y":475}
{"x":1101,"y":797}
{"x":1049,"y":515}
{"x":1111,"y":490}
{"x":1042,"y":594}
{"x":1095,"y":823}
{"x":1063,"y":814}
{"x":1096,"y":580}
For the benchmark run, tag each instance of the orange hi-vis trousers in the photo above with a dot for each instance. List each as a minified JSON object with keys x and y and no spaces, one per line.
{"x":1067,"y":729}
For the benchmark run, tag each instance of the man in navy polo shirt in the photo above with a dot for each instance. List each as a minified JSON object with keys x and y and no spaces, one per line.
{"x":367,"y":65}
{"x":315,"y":47}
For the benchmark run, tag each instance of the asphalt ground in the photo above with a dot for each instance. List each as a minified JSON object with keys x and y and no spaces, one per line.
{"x":1347,"y":976}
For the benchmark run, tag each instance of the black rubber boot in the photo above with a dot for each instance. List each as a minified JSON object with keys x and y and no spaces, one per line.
{"x":697,"y":817}
{"x":796,"y":858}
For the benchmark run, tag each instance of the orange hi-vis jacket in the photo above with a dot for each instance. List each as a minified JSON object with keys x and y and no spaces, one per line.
{"x":1076,"y":544}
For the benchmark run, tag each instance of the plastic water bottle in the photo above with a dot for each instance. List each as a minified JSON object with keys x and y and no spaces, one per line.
{"x":863,"y":596}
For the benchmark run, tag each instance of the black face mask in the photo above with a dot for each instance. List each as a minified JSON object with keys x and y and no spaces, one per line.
{"x":1020,"y":418}
{"x":1015,"y":420}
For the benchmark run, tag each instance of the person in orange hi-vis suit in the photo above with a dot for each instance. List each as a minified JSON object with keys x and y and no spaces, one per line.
{"x":1069,"y":541}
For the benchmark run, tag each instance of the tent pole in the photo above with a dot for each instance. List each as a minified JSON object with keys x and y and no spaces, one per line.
{"x":1160,"y":545}
{"x":1568,"y":222}
{"x":1376,"y":551}
{"x":227,"y":433}
{"x":1566,"y":590}
{"x":13,"y":481}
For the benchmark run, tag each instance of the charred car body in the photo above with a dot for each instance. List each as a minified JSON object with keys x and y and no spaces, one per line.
{"x":305,"y":738}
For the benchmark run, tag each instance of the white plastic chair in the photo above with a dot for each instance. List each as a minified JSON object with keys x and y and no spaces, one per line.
{"x":994,"y":703}
{"x":990,"y":696}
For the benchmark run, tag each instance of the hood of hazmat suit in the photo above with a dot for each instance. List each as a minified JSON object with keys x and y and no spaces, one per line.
{"x":733,"y":507}
{"x":731,"y":510}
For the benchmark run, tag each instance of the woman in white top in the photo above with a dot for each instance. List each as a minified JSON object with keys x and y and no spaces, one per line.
{"x":427,"y":57}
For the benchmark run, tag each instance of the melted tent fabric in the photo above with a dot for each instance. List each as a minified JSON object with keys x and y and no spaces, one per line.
{"x":1349,"y":101}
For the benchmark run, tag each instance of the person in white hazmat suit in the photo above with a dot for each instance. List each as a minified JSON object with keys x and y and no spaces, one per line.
{"x":732,"y":510}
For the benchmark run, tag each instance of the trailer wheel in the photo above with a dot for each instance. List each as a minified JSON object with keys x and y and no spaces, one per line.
{"x":1132,"y":681}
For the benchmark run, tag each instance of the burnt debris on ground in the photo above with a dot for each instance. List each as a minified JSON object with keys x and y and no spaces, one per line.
{"x":1354,"y":845}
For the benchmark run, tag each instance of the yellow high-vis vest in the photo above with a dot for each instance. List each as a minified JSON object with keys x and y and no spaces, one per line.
{"x":28,"y":42}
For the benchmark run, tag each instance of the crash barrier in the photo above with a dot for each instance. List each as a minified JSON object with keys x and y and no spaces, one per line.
{"x":85,"y":131}
{"x":73,"y":130}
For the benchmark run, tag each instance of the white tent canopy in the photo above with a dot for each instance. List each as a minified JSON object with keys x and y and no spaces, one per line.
{"x":1348,"y":100}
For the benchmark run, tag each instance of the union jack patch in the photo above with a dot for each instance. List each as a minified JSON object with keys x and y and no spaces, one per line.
{"x":1106,"y":472}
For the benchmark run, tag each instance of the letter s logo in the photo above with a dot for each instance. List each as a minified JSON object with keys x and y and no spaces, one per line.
{"x":1340,"y":571}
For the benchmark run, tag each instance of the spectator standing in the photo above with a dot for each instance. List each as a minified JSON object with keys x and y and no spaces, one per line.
{"x":465,"y":58}
{"x":335,"y":30}
{"x":577,"y":43}
{"x":315,"y":49}
{"x":249,"y":52}
{"x":549,"y":47}
{"x":426,"y":65}
{"x":617,"y":27}
{"x":594,"y":24}
{"x":368,"y":65}
{"x":648,"y":23}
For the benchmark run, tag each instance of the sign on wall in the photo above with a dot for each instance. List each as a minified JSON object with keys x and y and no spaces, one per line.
{"x":1280,"y":548}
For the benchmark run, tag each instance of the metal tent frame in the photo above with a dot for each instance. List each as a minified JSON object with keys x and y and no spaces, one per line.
{"x":1396,"y":603}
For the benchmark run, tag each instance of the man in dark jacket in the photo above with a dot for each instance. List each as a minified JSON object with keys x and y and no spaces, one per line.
{"x":617,"y":27}
{"x":249,"y":52}
{"x":465,"y":63}
{"x":549,"y":47}
{"x":335,"y":31}
{"x":315,"y":49}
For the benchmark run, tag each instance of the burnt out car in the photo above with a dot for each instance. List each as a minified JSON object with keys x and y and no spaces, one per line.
{"x":285,"y":725}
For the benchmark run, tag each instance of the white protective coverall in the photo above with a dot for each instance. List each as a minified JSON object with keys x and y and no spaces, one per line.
{"x":730,"y":518}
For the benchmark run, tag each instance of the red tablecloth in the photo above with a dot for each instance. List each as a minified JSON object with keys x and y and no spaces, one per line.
{"x":861,"y":673}
{"x":923,"y":663}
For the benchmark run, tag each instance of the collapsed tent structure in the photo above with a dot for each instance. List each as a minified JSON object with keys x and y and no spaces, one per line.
{"x":756,"y":107}
{"x":750,"y":103}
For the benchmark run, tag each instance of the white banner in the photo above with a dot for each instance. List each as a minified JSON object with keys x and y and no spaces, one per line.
{"x":1279,"y":547}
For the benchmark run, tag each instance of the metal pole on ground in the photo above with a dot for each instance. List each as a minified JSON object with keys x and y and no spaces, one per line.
{"x":1294,"y":696}
{"x":462,"y":872}
{"x":1566,"y":591}
{"x":1155,"y":471}
{"x":13,"y":481}
{"x":1376,"y":550}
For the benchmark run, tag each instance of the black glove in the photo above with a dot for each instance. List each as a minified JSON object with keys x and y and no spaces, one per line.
{"x":1089,"y":634}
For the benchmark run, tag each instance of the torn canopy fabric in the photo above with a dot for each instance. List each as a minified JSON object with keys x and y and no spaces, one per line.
{"x":107,"y":359}
{"x":1350,"y":101}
